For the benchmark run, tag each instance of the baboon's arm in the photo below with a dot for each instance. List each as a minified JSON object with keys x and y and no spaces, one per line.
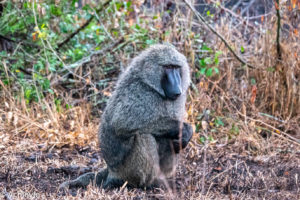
{"x":163,"y":127}
{"x":185,"y":137}
{"x":167,"y":128}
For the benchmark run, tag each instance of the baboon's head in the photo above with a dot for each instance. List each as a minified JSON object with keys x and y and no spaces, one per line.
{"x":164,"y":69}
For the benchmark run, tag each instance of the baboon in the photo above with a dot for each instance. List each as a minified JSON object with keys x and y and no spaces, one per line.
{"x":142,"y":129}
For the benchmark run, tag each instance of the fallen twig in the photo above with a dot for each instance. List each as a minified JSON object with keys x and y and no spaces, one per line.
{"x":226,"y":170}
{"x":219,"y":36}
{"x":7,"y":195}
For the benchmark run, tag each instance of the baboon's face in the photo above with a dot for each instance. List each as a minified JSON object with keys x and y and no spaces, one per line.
{"x":171,"y":81}
{"x":165,"y":70}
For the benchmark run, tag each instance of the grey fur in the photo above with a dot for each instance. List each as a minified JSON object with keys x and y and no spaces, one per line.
{"x":140,"y":127}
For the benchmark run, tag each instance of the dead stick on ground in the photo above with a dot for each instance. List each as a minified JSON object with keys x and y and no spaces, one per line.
{"x":204,"y":167}
{"x":7,"y":195}
{"x":237,"y":164}
{"x":219,"y":36}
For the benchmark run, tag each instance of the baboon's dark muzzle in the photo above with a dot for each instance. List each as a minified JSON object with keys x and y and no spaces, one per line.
{"x":171,"y":83}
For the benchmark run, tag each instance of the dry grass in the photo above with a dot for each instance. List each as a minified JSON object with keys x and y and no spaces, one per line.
{"x":255,"y":155}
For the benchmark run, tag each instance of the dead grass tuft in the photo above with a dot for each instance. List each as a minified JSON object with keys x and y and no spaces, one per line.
{"x":247,"y":124}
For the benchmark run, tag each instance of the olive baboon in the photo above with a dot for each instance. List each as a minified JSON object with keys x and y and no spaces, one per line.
{"x":142,"y":129}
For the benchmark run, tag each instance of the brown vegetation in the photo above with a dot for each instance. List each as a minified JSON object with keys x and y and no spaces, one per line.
{"x":247,"y":121}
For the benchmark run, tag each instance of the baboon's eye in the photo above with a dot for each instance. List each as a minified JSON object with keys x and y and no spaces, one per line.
{"x":176,"y":67}
{"x":172,"y":66}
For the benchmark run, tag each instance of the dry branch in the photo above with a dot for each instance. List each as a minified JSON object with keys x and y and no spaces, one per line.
{"x":88,"y":59}
{"x":101,"y":52}
{"x":278,"y":29}
{"x":218,"y":34}
{"x":84,"y":25}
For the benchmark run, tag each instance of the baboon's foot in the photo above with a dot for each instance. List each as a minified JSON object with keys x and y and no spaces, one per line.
{"x":112,"y":183}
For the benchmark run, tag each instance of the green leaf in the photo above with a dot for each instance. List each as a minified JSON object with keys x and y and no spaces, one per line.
{"x":242,"y":49}
{"x":219,"y":122}
{"x":149,"y":42}
{"x":253,"y":81}
{"x":115,"y":33}
{"x":209,"y":72}
{"x":234,"y":129}
{"x":87,"y":7}
{"x":50,"y":91}
{"x":218,"y":53}
{"x":128,"y":4}
{"x":202,"y":139}
{"x":55,"y":10}
{"x":203,"y":70}
{"x":167,"y":33}
{"x":198,"y":73}
{"x":27,"y":94}
{"x":216,"y":60}
{"x":207,"y":60}
{"x":216,"y":70}
{"x":210,"y":138}
{"x":202,"y":62}
{"x":52,"y":68}
{"x":270,"y":69}
{"x":206,"y":48}
{"x":137,"y":27}
{"x":46,"y":84}
{"x":118,"y":5}
{"x":68,"y":106}
{"x":197,"y":128}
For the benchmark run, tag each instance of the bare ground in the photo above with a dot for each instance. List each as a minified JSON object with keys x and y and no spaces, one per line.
{"x":236,"y":170}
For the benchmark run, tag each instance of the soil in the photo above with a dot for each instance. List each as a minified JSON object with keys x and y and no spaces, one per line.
{"x":215,"y":172}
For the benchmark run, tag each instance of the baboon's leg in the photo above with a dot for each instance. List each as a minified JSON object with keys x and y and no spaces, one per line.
{"x":141,"y":165}
{"x":169,"y":148}
{"x":167,"y":156}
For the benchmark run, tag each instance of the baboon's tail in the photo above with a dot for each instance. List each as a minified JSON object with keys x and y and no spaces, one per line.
{"x":85,"y":179}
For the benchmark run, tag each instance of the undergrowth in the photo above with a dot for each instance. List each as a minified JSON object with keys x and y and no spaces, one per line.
{"x":53,"y":91}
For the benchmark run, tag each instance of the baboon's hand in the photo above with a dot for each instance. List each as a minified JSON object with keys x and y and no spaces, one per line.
{"x":187,"y":133}
{"x":165,"y":127}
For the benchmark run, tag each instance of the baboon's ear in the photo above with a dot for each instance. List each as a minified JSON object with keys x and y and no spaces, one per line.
{"x":152,"y":76}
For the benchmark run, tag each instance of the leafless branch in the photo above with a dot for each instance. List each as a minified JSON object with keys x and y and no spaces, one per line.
{"x":84,"y":25}
{"x":219,"y":36}
{"x":277,"y":6}
{"x":88,"y":59}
